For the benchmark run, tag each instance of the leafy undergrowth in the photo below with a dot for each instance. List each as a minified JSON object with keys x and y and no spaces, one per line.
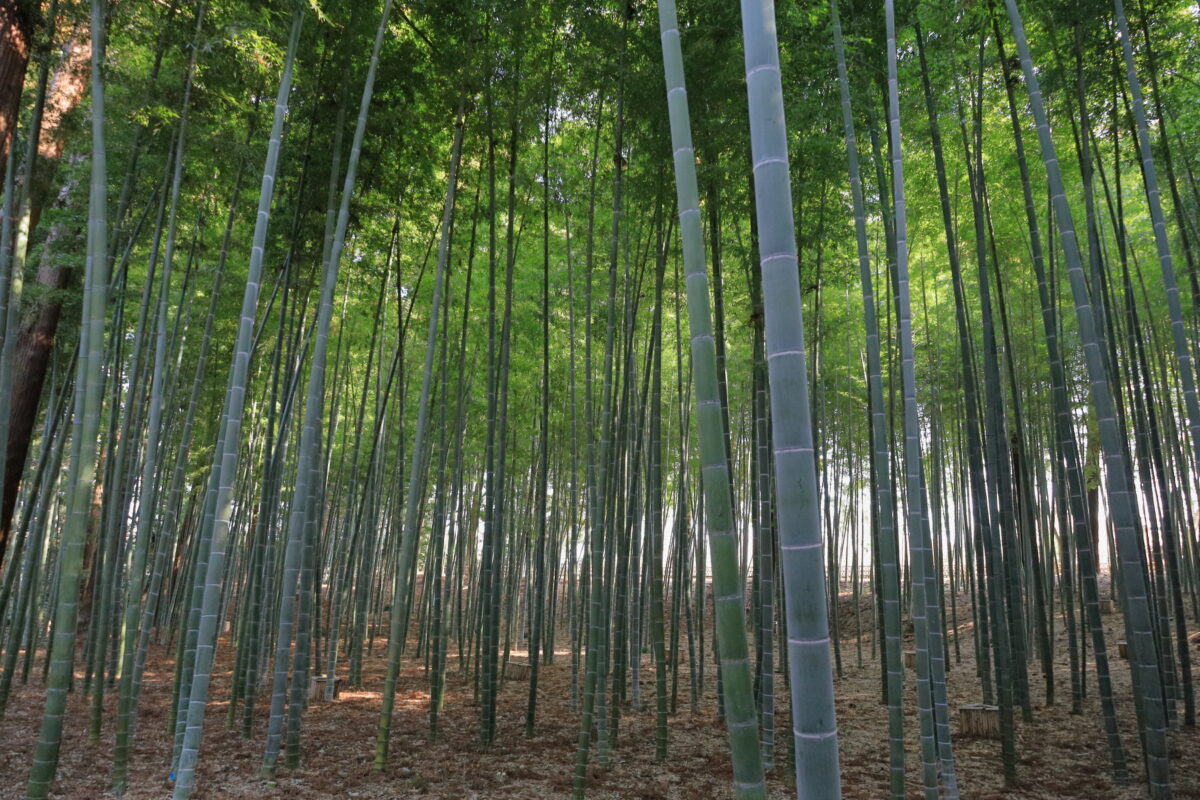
{"x":1060,"y":755}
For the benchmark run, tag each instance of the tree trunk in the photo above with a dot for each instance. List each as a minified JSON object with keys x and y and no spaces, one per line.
{"x":35,"y":337}
{"x":35,"y":345}
{"x":16,"y":31}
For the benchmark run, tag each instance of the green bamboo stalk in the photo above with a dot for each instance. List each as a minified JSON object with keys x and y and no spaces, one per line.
{"x":740,"y":713}
{"x":411,"y":533}
{"x":598,"y":449}
{"x":1179,"y":336}
{"x":86,"y":427}
{"x":1144,"y":654}
{"x":150,"y":468}
{"x":935,"y":742}
{"x":308,"y":468}
{"x":537,"y":624}
{"x":880,"y":439}
{"x":808,"y":648}
{"x":226,"y":467}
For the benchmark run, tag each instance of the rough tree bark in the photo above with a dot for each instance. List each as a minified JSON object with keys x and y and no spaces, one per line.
{"x":39,"y":322}
{"x":16,"y":31}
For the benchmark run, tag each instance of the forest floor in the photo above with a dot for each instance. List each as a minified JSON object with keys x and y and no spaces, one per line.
{"x":1060,"y":755}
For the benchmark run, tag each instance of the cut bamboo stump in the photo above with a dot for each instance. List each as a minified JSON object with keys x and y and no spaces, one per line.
{"x":316,"y":689}
{"x":517,"y":670}
{"x":1123,"y":649}
{"x":910,"y":659}
{"x":1106,"y":606}
{"x":979,"y":720}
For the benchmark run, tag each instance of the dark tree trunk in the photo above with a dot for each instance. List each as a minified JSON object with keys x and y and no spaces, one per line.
{"x":42,"y":311}
{"x":15,"y":34}
{"x":35,"y":344}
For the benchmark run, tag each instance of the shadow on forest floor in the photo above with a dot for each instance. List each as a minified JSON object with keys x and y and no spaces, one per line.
{"x":1060,"y":755}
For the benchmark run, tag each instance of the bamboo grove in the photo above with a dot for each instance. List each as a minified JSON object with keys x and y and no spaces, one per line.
{"x":634,"y":340}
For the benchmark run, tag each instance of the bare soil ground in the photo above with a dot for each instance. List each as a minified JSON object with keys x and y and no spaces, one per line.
{"x":1060,"y":755}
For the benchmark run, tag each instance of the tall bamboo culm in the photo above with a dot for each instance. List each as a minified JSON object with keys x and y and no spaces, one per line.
{"x":809,"y":653}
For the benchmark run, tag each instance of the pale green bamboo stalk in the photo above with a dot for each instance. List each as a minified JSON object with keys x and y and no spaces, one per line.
{"x":231,"y":426}
{"x":741,"y":717}
{"x":814,"y":723}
